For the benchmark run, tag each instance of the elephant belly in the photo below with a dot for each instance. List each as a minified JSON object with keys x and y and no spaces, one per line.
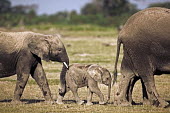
{"x":165,"y":69}
{"x":6,"y":71}
{"x":81,"y":82}
{"x":7,"y":66}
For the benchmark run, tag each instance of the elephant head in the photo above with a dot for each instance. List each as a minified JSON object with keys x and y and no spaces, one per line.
{"x":48,"y":47}
{"x":101,"y":75}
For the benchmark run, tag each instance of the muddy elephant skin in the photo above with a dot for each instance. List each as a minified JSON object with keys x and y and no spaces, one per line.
{"x":146,"y":52}
{"x":80,"y":75}
{"x":21,"y":53}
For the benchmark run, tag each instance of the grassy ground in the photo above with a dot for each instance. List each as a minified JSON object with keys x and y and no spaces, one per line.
{"x":82,"y":49}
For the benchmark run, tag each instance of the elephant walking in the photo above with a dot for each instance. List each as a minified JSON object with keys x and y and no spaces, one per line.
{"x":21,"y":53}
{"x":146,"y":39}
{"x":80,"y":75}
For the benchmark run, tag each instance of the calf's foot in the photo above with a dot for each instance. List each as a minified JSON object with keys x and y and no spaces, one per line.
{"x":59,"y":100}
{"x":80,"y":102}
{"x":89,"y":103}
{"x":102,"y":103}
{"x":163,"y":104}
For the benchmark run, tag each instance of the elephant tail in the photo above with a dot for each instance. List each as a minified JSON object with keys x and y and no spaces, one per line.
{"x":116,"y":61}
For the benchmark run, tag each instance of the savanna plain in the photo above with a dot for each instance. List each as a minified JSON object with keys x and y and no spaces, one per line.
{"x":86,"y":45}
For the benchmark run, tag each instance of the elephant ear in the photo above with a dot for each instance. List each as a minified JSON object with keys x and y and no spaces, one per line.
{"x":95,"y":73}
{"x":40,"y":47}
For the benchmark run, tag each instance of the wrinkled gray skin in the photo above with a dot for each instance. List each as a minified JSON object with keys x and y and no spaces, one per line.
{"x":80,"y":75}
{"x":146,"y":39}
{"x":21,"y":53}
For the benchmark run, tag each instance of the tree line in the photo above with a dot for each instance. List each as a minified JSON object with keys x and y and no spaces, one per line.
{"x":97,"y":12}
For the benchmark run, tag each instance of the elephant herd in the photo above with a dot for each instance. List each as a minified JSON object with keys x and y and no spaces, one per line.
{"x":146,"y":52}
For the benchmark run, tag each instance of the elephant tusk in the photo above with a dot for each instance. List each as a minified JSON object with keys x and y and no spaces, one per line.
{"x":65,"y":65}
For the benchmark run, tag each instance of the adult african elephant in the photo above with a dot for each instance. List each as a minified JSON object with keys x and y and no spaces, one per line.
{"x":80,"y":75}
{"x":146,"y":39}
{"x":21,"y":53}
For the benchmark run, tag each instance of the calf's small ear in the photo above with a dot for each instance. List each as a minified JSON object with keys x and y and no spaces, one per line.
{"x":40,"y":47}
{"x":96,"y":75}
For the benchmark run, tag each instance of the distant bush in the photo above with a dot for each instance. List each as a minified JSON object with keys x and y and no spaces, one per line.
{"x":93,"y":13}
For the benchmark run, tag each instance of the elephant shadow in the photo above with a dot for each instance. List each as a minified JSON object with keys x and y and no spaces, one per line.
{"x":25,"y":101}
{"x":85,"y":101}
{"x":33,"y":101}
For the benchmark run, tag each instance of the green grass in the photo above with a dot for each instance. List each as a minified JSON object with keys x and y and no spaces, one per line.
{"x":81,"y":49}
{"x":71,"y":30}
{"x":32,"y":82}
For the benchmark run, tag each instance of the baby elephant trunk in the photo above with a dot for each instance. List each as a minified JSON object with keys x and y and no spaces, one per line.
{"x":109,"y":91}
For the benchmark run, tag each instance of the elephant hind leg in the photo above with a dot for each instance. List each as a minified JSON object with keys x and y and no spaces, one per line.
{"x":23,"y":72}
{"x":20,"y":85}
{"x":130,"y":89}
{"x":123,"y":94}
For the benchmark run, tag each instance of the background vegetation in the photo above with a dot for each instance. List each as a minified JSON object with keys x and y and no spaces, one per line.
{"x":98,"y":12}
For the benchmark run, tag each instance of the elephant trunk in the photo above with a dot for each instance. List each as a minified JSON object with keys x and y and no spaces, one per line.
{"x":109,"y":91}
{"x":65,"y":67}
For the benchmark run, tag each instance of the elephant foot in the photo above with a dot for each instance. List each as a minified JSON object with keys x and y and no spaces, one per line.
{"x":122,"y":103}
{"x":89,"y":103}
{"x":158,"y":103}
{"x":132,"y":102}
{"x":60,"y":100}
{"x":146,"y":102}
{"x":80,"y":102}
{"x":102,"y":103}
{"x":163,"y":104}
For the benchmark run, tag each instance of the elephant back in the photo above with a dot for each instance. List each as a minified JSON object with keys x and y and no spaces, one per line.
{"x":77,"y":74}
{"x":12,"y":41}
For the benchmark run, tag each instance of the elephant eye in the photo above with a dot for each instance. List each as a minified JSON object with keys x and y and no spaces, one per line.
{"x":59,"y":49}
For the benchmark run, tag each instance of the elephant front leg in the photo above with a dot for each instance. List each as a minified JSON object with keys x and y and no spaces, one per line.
{"x":145,"y":95}
{"x":89,"y":98}
{"x":78,"y":100}
{"x":40,"y":78}
{"x":20,"y":85}
{"x":95,"y":89}
{"x":152,"y":95}
{"x":146,"y":100}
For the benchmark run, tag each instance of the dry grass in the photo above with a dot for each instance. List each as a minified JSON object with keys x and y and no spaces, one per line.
{"x":80,"y":50}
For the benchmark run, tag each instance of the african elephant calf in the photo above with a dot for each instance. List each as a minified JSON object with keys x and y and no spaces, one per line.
{"x":80,"y":75}
{"x":21,"y":53}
